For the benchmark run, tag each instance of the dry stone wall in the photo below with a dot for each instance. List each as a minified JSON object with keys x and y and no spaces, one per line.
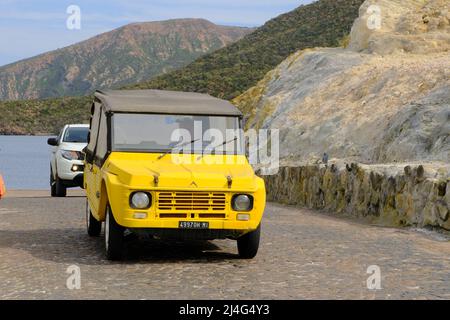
{"x":391,"y":195}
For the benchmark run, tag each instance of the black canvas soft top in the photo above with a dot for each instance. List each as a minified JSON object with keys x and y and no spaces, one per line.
{"x":164,"y":102}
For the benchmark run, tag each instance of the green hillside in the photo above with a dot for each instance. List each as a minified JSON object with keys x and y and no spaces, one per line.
{"x":230,"y":71}
{"x":29,"y":117}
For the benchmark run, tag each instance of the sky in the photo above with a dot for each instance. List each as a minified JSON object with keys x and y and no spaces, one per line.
{"x":31,"y":27}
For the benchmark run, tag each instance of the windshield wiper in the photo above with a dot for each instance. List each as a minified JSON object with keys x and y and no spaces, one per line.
{"x":220,"y":145}
{"x":178,"y":146}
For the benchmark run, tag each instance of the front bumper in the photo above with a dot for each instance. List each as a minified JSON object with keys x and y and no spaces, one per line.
{"x":182,"y":234}
{"x":154,"y":218}
{"x":174,"y":223}
{"x":65,"y":169}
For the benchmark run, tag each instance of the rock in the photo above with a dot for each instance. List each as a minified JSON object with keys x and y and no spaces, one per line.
{"x":412,"y":26}
{"x":442,"y":187}
{"x":419,"y":173}
{"x":343,"y":101}
{"x":447,"y":192}
{"x":443,"y":210}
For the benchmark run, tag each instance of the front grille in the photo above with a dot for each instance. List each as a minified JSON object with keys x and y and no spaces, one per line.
{"x":173,"y":215}
{"x":212,"y":215}
{"x":191,"y":201}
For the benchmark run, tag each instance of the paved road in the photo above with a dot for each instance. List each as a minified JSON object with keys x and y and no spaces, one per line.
{"x":304,"y":255}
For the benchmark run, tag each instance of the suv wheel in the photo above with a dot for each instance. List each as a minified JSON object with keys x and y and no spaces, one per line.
{"x":60,"y":188}
{"x":113,"y":237}
{"x":248,"y":244}
{"x":52,"y":184}
{"x":94,"y":227}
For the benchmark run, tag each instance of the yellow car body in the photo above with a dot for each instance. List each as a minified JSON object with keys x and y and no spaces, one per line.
{"x":188,"y":195}
{"x":125,"y":173}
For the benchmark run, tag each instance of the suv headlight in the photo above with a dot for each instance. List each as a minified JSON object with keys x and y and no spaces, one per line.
{"x":140,"y":200}
{"x":72,"y":155}
{"x":242,"y":202}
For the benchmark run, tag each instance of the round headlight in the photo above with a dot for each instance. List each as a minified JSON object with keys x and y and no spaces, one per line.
{"x":140,"y":200}
{"x":242,"y":202}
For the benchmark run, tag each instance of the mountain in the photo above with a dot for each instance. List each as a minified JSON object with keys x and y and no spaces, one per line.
{"x":383,"y":99}
{"x":228,"y":72}
{"x":224,"y":73}
{"x":126,"y":55}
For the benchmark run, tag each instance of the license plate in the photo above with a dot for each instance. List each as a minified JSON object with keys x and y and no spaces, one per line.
{"x":193,"y":225}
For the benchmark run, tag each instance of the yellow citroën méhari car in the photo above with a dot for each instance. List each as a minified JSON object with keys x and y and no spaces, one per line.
{"x":170,"y":165}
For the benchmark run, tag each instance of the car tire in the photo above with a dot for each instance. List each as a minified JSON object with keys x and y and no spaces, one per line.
{"x":60,"y":188}
{"x":114,"y":236}
{"x":94,"y":227}
{"x":52,"y":184}
{"x":248,"y":244}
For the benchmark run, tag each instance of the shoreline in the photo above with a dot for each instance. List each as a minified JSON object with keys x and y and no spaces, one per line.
{"x":26,"y":135}
{"x":41,"y":193}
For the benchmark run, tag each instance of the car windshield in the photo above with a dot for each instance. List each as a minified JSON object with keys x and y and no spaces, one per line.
{"x":191,"y":134}
{"x":76,"y":135}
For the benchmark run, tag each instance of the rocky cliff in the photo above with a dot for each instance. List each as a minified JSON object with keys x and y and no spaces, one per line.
{"x":384,"y":98}
{"x":126,"y":55}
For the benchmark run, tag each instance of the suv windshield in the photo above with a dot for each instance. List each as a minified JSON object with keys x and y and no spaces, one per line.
{"x":162,"y":133}
{"x":76,"y":135}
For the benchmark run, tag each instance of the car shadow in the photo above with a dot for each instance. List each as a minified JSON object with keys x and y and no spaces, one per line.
{"x":74,"y":246}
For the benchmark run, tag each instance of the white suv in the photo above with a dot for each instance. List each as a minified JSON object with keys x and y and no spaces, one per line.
{"x":67,"y":159}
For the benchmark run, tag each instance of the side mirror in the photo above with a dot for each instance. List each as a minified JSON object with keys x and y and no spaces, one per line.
{"x":52,"y":142}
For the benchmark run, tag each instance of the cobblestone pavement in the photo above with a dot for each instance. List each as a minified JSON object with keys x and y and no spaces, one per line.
{"x":303,"y":255}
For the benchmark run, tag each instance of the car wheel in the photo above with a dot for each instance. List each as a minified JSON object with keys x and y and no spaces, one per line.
{"x":94,"y":227}
{"x":248,"y":244}
{"x":60,"y":188}
{"x":114,"y":235}
{"x":52,"y":184}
